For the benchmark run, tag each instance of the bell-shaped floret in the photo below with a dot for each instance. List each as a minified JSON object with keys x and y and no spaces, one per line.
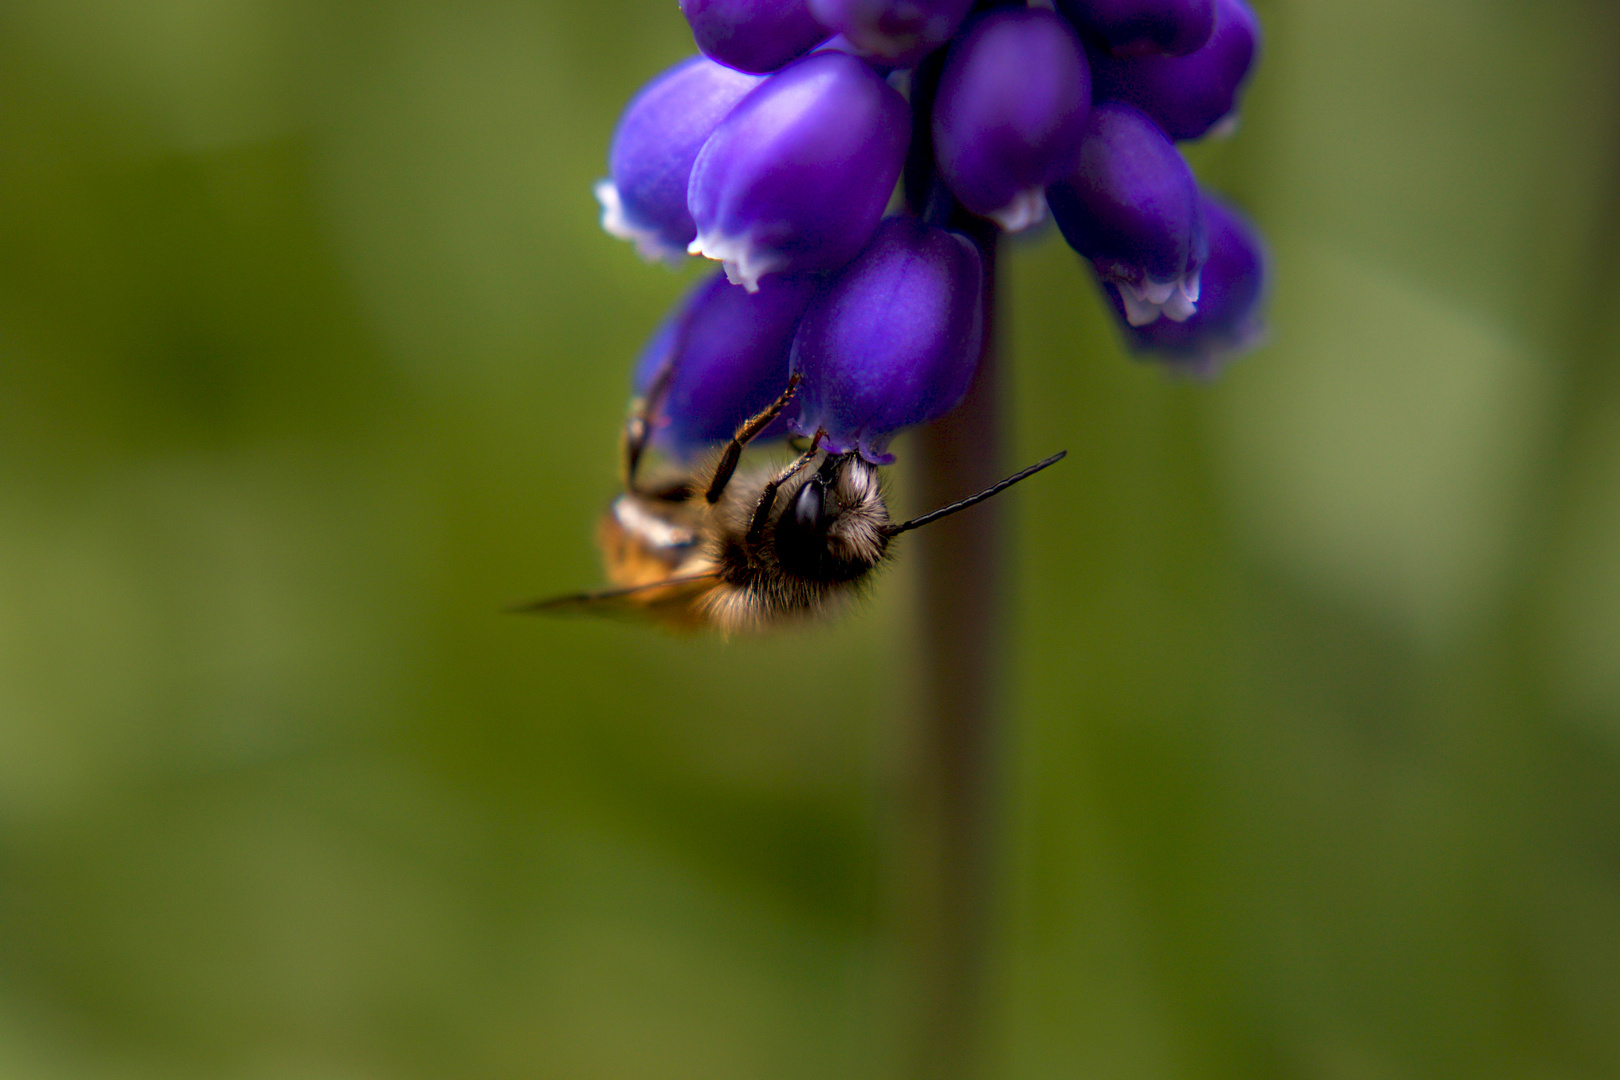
{"x":1228,"y":321}
{"x":796,"y":177}
{"x":1187,"y":95}
{"x":1011,"y":112}
{"x":654,"y":146}
{"x":719,"y":358}
{"x":753,"y":35}
{"x":1131,"y":206}
{"x":892,"y":341}
{"x":895,"y":32}
{"x":1144,"y":27}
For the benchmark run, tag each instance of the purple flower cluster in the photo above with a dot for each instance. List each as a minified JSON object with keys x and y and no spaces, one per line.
{"x":777,"y":152}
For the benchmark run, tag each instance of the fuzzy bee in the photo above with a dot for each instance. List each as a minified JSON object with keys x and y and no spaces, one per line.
{"x":744,"y":551}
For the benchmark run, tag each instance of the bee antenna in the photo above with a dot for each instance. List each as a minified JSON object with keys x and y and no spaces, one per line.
{"x":995,"y":489}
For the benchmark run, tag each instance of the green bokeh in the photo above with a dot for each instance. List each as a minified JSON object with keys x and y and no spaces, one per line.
{"x":312,"y":356}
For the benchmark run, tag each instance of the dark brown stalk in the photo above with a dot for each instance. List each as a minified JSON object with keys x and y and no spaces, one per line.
{"x":959,"y":638}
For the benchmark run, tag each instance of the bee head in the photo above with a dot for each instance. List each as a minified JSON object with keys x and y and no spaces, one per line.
{"x":836,"y":526}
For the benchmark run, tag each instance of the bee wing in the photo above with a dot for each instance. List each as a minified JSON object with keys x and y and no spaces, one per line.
{"x":672,"y":600}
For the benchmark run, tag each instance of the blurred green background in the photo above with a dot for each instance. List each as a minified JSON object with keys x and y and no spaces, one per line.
{"x":312,"y":356}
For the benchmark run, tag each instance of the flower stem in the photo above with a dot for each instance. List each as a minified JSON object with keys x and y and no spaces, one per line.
{"x":959,"y":639}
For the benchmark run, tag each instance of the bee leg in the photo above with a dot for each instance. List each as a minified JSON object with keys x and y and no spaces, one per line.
{"x":767,"y":497}
{"x":746,"y":434}
{"x":638,"y":425}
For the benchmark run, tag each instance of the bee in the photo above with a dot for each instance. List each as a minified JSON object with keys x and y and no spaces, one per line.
{"x":744,"y":551}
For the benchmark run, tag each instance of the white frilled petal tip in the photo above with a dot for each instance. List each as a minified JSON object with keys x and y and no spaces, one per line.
{"x":744,"y":264}
{"x":1224,"y":128}
{"x":1027,"y":208}
{"x":1175,"y":300}
{"x":649,"y":244}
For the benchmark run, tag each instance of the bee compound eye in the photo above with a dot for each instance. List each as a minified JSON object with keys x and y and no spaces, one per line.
{"x":807,"y":506}
{"x":800,"y":538}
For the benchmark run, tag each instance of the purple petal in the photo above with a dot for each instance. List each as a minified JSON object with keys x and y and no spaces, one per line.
{"x":654,"y":146}
{"x":753,"y":35}
{"x":1131,"y":206}
{"x":1229,"y":308}
{"x":725,"y":351}
{"x":1144,"y":27}
{"x":1011,"y":112}
{"x":797,"y":177}
{"x":898,"y":32}
{"x":893,"y":340}
{"x":1187,"y":95}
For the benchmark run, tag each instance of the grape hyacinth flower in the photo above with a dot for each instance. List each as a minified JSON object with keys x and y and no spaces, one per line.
{"x":1144,"y":27}
{"x":797,"y":176}
{"x":897,"y":33}
{"x":867,"y":324}
{"x":1131,"y":206}
{"x":719,"y":358}
{"x":777,"y":154}
{"x":1011,"y":113}
{"x":1228,"y":318}
{"x":1187,"y":96}
{"x":753,"y":35}
{"x":892,"y":341}
{"x":654,"y":146}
